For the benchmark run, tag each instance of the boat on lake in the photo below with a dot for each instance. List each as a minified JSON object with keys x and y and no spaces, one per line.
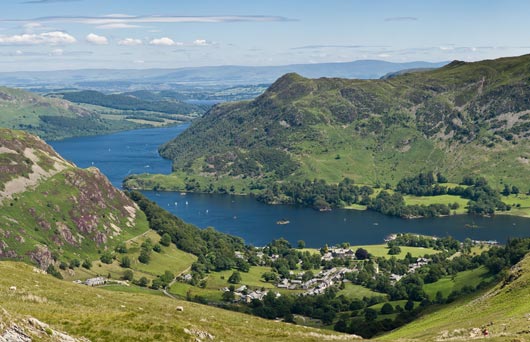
{"x":283,"y":221}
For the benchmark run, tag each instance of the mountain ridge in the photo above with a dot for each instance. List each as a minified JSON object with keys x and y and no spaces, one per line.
{"x":225,"y":74}
{"x":464,"y":118}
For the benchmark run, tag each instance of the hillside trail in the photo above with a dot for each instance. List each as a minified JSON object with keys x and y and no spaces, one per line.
{"x":173,"y":282}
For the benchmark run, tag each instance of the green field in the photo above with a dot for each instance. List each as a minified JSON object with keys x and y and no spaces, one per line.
{"x":521,"y":200}
{"x":169,"y":259}
{"x":442,"y":199}
{"x":357,"y":291}
{"x":382,"y":251}
{"x":252,"y":278}
{"x":448,"y":284}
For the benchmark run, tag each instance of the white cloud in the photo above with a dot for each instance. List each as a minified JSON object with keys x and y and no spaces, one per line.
{"x":164,"y":41}
{"x":200,"y":42}
{"x":130,"y":42}
{"x":132,"y":20}
{"x":97,"y":40}
{"x":29,"y":27}
{"x":117,"y":26}
{"x":48,"y":38}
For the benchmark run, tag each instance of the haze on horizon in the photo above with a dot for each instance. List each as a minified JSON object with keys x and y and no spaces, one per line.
{"x":79,"y":34}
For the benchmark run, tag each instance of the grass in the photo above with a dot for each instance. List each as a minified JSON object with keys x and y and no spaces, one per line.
{"x":448,"y":284}
{"x":169,"y":259}
{"x":441,"y":199}
{"x":102,"y":315}
{"x":354,"y":291}
{"x":382,"y":251}
{"x":252,"y":278}
{"x":521,"y":200}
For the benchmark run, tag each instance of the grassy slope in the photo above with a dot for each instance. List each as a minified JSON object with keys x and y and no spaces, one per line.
{"x":458,"y":119}
{"x":169,"y":259}
{"x":448,"y":284}
{"x":506,"y":305}
{"x":117,"y":316}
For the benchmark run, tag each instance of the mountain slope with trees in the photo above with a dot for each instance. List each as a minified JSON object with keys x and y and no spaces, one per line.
{"x":464,"y":119}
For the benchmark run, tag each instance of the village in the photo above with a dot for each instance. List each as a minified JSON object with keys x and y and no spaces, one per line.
{"x":319,"y":283}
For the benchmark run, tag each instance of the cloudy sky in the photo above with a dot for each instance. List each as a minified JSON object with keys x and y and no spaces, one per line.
{"x":73,"y":34}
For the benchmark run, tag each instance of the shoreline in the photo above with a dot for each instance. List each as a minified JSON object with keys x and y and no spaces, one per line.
{"x":356,"y":207}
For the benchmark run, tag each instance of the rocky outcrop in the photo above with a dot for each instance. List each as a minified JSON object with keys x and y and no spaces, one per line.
{"x":30,"y":329}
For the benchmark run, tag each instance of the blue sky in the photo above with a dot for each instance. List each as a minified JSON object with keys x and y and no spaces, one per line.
{"x":73,"y":34}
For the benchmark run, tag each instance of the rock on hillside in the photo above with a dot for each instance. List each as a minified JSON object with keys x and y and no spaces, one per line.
{"x":26,"y":160}
{"x":50,"y":210}
{"x":30,"y":329}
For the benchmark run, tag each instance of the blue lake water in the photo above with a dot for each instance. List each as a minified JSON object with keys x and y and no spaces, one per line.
{"x":120,"y":154}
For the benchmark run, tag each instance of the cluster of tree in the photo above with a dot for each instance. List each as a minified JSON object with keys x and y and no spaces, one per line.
{"x":424,"y":184}
{"x":55,"y":126}
{"x":127,"y":102}
{"x":394,"y":205}
{"x":483,"y":199}
{"x":318,"y":194}
{"x":215,"y":250}
{"x":447,"y":243}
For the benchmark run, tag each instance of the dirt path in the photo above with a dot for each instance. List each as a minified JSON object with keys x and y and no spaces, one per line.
{"x":173,"y":282}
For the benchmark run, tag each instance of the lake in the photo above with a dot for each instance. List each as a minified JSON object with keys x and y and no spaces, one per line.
{"x":121,"y":154}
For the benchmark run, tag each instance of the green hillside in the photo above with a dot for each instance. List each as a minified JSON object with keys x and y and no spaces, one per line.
{"x":101,"y":315}
{"x":51,"y":211}
{"x":503,"y":310}
{"x":53,"y":118}
{"x":462,"y":119}
{"x":131,"y":102}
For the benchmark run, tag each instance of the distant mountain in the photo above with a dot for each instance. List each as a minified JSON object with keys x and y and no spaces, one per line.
{"x":53,"y":211}
{"x":461,"y":119}
{"x":225,"y":75}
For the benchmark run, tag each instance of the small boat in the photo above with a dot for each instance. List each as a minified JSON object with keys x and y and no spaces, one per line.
{"x":182,"y":194}
{"x":471,"y":225}
{"x":283,"y":221}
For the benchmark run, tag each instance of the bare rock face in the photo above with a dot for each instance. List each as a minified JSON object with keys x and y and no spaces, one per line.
{"x":26,"y":330}
{"x":14,"y":334}
{"x":42,"y":256}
